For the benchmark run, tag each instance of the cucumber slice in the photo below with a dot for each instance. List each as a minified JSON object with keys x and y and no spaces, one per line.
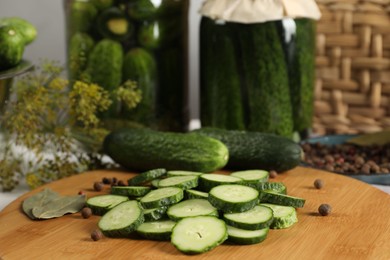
{"x":183,"y":173}
{"x":103,"y":203}
{"x":146,"y":176}
{"x":132,"y":191}
{"x":257,"y":218}
{"x":252,"y":178}
{"x":281,"y":199}
{"x":277,"y":187}
{"x":155,"y":214}
{"x":233,"y":198}
{"x":284,"y":216}
{"x":156,"y":230}
{"x":191,"y":208}
{"x":246,"y":237}
{"x":195,"y":194}
{"x":210,"y":180}
{"x":162,"y":197}
{"x":155,"y":183}
{"x":122,"y":220}
{"x":195,"y":235}
{"x":184,"y":182}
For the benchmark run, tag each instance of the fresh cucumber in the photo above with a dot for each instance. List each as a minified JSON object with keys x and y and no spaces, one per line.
{"x":131,"y":191}
{"x":122,"y":220}
{"x":195,"y":235}
{"x":233,"y":198}
{"x":146,"y":176}
{"x":146,"y":149}
{"x":284,"y":216}
{"x":156,"y":230}
{"x":277,"y":187}
{"x":196,"y":194}
{"x":255,"y":150}
{"x":246,"y":237}
{"x":155,"y":214}
{"x":211,"y":180}
{"x":252,"y":178}
{"x":281,"y":199}
{"x":183,"y":173}
{"x":102,"y":203}
{"x":162,"y":197}
{"x":155,"y":183}
{"x":184,"y":182}
{"x":257,"y":218}
{"x":191,"y":208}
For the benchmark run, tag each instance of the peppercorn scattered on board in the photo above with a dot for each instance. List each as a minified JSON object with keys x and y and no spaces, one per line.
{"x":357,"y":228}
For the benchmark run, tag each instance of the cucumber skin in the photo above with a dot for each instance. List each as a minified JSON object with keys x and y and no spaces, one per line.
{"x":145,"y":149}
{"x":189,"y":184}
{"x":206,"y":185}
{"x":163,"y":202}
{"x":248,"y":226}
{"x":147,"y":176}
{"x":157,"y":214}
{"x":80,"y":46}
{"x":195,"y":194}
{"x":131,"y":191}
{"x":281,"y":199}
{"x":255,"y":150}
{"x":282,"y":222}
{"x":100,"y":211}
{"x":162,"y":236}
{"x":277,"y":187}
{"x":247,"y":240}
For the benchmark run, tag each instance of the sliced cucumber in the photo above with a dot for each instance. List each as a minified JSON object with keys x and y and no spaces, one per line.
{"x":210,"y":180}
{"x":281,"y":199}
{"x":162,"y":197}
{"x":156,"y":230}
{"x":195,"y":235}
{"x":246,"y":237}
{"x":233,"y":198}
{"x":103,"y":203}
{"x":195,"y":194}
{"x":277,"y":187}
{"x":155,"y":214}
{"x":184,"y":182}
{"x":132,"y":191}
{"x":183,"y":173}
{"x":122,"y":220}
{"x":252,"y":178}
{"x":155,"y":183}
{"x":146,"y":176}
{"x":257,"y":218}
{"x":191,"y":208}
{"x":284,"y":216}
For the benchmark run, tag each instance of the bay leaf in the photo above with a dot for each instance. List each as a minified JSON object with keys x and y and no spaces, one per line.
{"x":38,"y":200}
{"x":59,"y":207}
{"x":378,"y":138}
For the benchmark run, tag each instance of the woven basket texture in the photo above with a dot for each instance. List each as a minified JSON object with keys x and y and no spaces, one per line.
{"x":352,"y":90}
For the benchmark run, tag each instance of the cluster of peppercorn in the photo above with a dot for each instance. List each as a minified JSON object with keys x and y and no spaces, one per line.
{"x":348,"y":158}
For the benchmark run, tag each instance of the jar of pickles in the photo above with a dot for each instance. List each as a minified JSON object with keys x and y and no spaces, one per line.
{"x":111,"y":42}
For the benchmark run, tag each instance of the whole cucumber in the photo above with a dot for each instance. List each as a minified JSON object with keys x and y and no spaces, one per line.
{"x":146,"y":149}
{"x":256,"y":150}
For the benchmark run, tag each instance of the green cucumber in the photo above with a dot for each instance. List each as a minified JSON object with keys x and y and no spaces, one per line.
{"x":131,"y":191}
{"x":209,"y":181}
{"x":277,"y":187}
{"x":184,"y":182}
{"x":80,"y":47}
{"x":257,"y":218}
{"x":246,"y":237}
{"x":103,"y":203}
{"x":233,"y":198}
{"x":281,"y":199}
{"x":162,"y":197}
{"x":156,"y":230}
{"x":155,"y":213}
{"x":154,"y":183}
{"x":11,"y":47}
{"x":196,"y":235}
{"x":183,"y":173}
{"x":122,"y":220}
{"x":27,"y":30}
{"x":146,"y":176}
{"x":220,"y":86}
{"x":81,"y":18}
{"x":252,"y":178}
{"x":145,"y":149}
{"x":112,"y":23}
{"x":255,"y":150}
{"x":284,"y":216}
{"x":191,"y":208}
{"x":196,"y":194}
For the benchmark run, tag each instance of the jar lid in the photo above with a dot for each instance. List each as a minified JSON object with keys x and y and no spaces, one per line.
{"x":257,"y":11}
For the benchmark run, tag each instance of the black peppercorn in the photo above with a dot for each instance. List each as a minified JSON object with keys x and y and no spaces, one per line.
{"x":106,"y":180}
{"x":96,"y":235}
{"x":324,"y":209}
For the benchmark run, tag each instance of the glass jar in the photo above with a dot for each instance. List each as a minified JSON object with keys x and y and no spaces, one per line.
{"x":146,"y":41}
{"x":258,"y":76}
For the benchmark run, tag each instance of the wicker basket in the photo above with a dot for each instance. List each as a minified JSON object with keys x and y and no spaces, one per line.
{"x":352,"y":93}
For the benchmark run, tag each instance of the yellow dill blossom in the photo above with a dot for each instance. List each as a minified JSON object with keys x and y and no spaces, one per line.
{"x":33,"y":181}
{"x":129,"y":94}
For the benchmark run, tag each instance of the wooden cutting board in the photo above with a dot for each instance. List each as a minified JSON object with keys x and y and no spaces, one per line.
{"x":358,"y":228}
